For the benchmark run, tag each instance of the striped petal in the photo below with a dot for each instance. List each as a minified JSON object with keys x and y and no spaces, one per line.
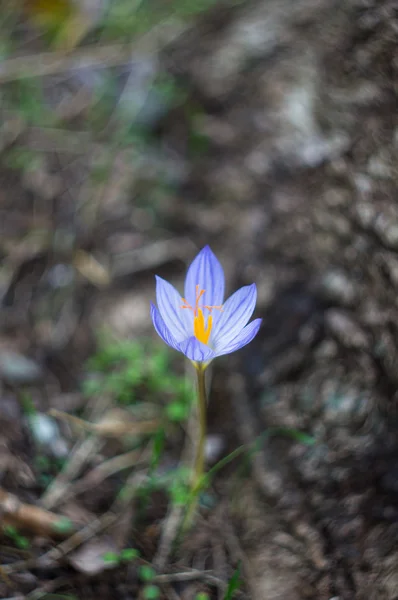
{"x":243,"y":338}
{"x":195,"y":350}
{"x":161,"y":328}
{"x":235,"y":314}
{"x":178,"y":321}
{"x":206,"y":272}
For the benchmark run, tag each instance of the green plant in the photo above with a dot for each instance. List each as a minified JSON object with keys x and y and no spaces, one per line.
{"x":129,"y":554}
{"x":140,"y":376}
{"x":47,"y":468}
{"x":134,"y":372}
{"x":64,"y":525}
{"x":151,"y":592}
{"x":234,"y":584}
{"x":147,"y":574}
{"x":19,"y":540}
{"x":125,"y":555}
{"x":111,"y":558}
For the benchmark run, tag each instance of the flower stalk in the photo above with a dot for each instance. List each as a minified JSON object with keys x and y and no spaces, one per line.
{"x":199,"y":459}
{"x":200,"y":451}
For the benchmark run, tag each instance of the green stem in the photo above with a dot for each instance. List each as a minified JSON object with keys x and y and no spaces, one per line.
{"x":202,"y":405}
{"x":198,"y":471}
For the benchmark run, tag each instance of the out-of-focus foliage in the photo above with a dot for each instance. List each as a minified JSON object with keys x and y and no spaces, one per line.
{"x":135,"y":371}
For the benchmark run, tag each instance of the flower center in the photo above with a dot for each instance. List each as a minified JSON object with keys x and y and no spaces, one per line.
{"x":201,"y":329}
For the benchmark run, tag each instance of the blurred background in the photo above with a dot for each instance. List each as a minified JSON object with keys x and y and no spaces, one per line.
{"x":132,"y":133}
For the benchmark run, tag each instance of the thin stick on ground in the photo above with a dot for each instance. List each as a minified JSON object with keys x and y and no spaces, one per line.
{"x":83,"y":450}
{"x":133,"y":458}
{"x":33,"y":518}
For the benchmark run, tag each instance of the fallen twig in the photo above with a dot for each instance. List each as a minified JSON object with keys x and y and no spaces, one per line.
{"x":81,"y":453}
{"x":56,"y":491}
{"x":136,"y":458}
{"x":33,"y":518}
{"x":115,"y":423}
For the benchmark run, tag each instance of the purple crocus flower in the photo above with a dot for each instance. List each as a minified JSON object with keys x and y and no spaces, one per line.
{"x":201,"y":325}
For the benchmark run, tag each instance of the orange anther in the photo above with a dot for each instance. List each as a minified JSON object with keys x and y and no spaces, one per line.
{"x":201,"y":329}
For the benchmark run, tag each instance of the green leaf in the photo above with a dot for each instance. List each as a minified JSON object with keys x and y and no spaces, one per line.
{"x":146,"y":573}
{"x":129,"y":554}
{"x":234,"y":584}
{"x":110,"y":558}
{"x":151,"y":592}
{"x":27,"y":404}
{"x":157,"y":449}
{"x":22,"y":542}
{"x":64,"y":525}
{"x":177,"y":411}
{"x":180,"y":494}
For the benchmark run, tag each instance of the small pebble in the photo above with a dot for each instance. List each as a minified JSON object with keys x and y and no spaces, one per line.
{"x":17,"y":369}
{"x":46,"y":433}
{"x":215,"y":444}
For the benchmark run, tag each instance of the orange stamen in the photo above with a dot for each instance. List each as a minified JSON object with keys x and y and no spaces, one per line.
{"x":200,"y":329}
{"x":201,"y":332}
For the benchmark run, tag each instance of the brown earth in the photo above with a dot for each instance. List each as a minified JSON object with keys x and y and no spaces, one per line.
{"x":296,"y":191}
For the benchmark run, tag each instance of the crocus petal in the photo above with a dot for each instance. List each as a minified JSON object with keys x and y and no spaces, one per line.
{"x":161,"y":328}
{"x":178,"y":320}
{"x":243,"y":338}
{"x":195,"y":350}
{"x":235,"y":314}
{"x":206,"y":272}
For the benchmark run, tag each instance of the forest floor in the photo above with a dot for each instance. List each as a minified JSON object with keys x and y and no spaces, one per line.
{"x":119,"y":160}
